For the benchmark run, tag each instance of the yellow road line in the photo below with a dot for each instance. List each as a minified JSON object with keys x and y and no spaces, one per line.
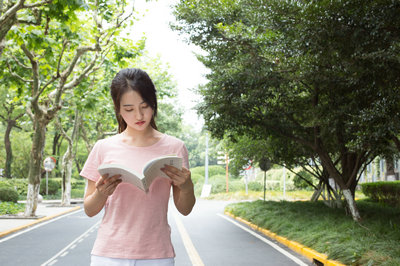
{"x":190,"y":249}
{"x":297,"y":247}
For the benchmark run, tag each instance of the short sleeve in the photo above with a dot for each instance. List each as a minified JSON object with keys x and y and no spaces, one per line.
{"x":93,"y":161}
{"x":183,"y":152}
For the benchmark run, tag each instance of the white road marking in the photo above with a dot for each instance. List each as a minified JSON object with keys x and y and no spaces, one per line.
{"x":190,"y":249}
{"x":54,"y":258}
{"x":265,"y":240}
{"x":37,"y":226}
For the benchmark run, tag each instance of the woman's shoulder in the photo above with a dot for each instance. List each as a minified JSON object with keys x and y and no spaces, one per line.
{"x":172,"y":140}
{"x":110,"y":140}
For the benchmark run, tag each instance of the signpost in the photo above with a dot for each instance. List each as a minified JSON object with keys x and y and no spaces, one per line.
{"x":49,"y":163}
{"x":223,"y":158}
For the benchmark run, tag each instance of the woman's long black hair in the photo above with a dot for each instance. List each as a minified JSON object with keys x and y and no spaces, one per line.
{"x":139,"y":81}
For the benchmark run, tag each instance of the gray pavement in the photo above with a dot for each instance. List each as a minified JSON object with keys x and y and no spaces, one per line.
{"x":46,"y":210}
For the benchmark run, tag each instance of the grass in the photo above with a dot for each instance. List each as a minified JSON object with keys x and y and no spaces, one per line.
{"x":374,"y":241}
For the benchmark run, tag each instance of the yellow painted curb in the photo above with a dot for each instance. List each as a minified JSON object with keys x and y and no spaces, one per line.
{"x":7,"y":232}
{"x":295,"y":246}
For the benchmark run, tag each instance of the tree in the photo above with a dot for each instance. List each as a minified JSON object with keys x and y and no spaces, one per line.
{"x":59,"y":55}
{"x":68,"y":158}
{"x":300,"y":72}
{"x":10,"y":118}
{"x":19,"y":12}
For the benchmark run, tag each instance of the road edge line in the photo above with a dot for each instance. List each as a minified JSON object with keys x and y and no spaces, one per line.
{"x":293,"y":245}
{"x":46,"y":218}
{"x":187,"y":242}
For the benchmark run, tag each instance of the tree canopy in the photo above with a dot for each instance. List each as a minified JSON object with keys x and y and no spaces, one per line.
{"x":314,"y":74}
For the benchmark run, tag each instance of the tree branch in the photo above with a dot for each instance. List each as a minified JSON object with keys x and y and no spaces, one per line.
{"x":65,"y":44}
{"x":16,"y":75}
{"x":83,"y":75}
{"x":37,"y":4}
{"x":62,"y":131}
{"x":35,"y":70}
{"x":11,"y":12}
{"x":19,"y":63}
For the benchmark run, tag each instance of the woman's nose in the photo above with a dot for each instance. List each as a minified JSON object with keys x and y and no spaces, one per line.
{"x":139,"y":114}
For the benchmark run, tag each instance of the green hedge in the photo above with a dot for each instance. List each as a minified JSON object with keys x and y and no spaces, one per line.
{"x":21,"y":185}
{"x":383,"y":191}
{"x":53,"y":186}
{"x":8,"y":194}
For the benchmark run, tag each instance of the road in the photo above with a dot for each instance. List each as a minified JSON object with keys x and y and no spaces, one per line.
{"x":205,"y":237}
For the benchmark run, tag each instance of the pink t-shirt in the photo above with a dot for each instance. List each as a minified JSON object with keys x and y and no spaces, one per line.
{"x":135,"y":224}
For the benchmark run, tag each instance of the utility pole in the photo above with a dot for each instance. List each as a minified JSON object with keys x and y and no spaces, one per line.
{"x":206,"y":162}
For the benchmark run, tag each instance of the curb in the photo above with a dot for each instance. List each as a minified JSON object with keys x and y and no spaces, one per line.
{"x":307,"y":252}
{"x":7,"y":232}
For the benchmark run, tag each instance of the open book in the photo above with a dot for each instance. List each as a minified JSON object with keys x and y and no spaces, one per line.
{"x":151,"y":171}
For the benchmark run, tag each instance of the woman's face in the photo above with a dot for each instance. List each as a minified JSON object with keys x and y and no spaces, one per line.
{"x":135,"y":111}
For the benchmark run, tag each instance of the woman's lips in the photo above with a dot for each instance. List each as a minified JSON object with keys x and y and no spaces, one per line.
{"x":140,"y":123}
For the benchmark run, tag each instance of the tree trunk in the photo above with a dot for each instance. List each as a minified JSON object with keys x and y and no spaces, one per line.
{"x":68,"y":160}
{"x":346,"y":180}
{"x":5,"y":27}
{"x":7,"y":144}
{"x":66,"y":171}
{"x":351,"y":205}
{"x":35,"y":166}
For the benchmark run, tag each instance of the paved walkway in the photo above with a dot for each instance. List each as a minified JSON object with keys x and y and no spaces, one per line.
{"x":46,"y":210}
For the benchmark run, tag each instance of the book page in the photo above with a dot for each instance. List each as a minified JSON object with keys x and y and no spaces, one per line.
{"x":127,"y":175}
{"x":153,"y":168}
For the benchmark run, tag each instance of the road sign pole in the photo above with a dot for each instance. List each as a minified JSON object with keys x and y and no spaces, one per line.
{"x":47,"y":182}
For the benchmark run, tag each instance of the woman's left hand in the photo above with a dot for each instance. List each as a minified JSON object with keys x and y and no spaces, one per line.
{"x":180,"y":178}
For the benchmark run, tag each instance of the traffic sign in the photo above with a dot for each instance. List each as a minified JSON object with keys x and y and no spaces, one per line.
{"x":49,"y":163}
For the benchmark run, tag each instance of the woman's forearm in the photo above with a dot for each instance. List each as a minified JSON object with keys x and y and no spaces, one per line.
{"x":184,"y":200}
{"x":94,"y":203}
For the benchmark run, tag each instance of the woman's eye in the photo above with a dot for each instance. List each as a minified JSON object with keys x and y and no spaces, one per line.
{"x":128,"y":110}
{"x":145,"y":106}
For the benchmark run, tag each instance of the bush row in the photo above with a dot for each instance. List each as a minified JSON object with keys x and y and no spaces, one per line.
{"x":13,"y":189}
{"x":384,"y":191}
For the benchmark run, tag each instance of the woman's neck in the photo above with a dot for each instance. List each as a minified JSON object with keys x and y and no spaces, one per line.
{"x":143,"y":138}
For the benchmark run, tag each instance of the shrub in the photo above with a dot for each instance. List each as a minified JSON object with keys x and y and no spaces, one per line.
{"x":255,"y":186}
{"x":11,"y":208}
{"x":53,"y":186}
{"x":300,"y":183}
{"x":77,"y":183}
{"x":212,"y":170}
{"x":387,"y":192}
{"x":197,"y":178}
{"x":8,"y":194}
{"x":20,"y":184}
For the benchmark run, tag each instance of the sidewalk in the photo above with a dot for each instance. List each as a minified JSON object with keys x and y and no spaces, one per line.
{"x":45,"y":211}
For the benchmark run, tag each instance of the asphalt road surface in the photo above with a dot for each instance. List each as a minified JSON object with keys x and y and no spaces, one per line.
{"x":205,"y":237}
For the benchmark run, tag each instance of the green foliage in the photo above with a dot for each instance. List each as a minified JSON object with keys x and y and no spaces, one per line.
{"x":20,"y":185}
{"x":11,"y":208}
{"x":255,"y":186}
{"x":275,"y":179}
{"x":300,"y":183}
{"x":213,"y":170}
{"x":53,"y":186}
{"x":278,"y":67}
{"x":197,"y":178}
{"x":8,"y":194}
{"x":386,"y":192}
{"x":219,"y":185}
{"x":328,"y":231}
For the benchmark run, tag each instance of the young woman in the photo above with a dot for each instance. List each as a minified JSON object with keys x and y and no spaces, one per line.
{"x":134,"y":229}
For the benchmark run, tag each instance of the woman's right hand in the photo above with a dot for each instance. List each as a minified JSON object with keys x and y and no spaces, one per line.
{"x":107,"y":185}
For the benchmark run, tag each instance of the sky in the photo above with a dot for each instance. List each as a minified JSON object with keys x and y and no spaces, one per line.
{"x":162,"y":41}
